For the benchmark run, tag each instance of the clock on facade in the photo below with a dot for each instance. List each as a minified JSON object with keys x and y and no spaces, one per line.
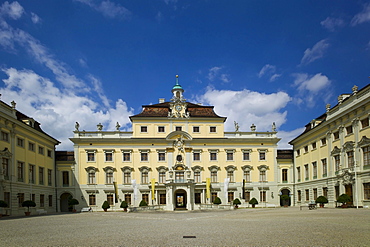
{"x":178,"y":107}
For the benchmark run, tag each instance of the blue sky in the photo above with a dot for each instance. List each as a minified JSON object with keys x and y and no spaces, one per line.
{"x":257,"y":62}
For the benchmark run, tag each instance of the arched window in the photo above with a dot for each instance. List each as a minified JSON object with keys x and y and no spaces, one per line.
{"x":108,"y":174}
{"x":127,"y":174}
{"x":91,"y":178}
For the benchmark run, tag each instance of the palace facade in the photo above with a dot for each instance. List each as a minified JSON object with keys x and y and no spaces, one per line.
{"x":332,"y":155}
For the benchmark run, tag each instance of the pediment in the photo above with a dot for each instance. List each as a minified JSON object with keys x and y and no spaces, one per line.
{"x":178,"y":134}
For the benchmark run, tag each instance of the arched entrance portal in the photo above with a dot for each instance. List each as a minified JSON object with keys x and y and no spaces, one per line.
{"x":64,"y":202}
{"x":283,"y":201}
{"x":180,"y":199}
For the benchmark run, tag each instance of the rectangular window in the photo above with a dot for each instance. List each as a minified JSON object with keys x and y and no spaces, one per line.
{"x":31,"y":146}
{"x":196,"y":156}
{"x":197,"y":198}
{"x":351,"y":161}
{"x":4,"y":136}
{"x":365,"y":122}
{"x":213,"y":156}
{"x":162,"y":177}
{"x":127,"y":177}
{"x":262,"y":196}
{"x":336,"y":135}
{"x":145,"y":197}
{"x":305,"y":149}
{"x":323,"y":141}
{"x":307,"y":195}
{"x":325,"y":192}
{"x":247,"y":196}
{"x":161,"y":156}
{"x":298,"y":152}
{"x":197,"y":178}
{"x":299,"y":174}
{"x":162,"y":199}
{"x":50,"y":153}
{"x":196,"y":129}
{"x":161,"y":129}
{"x":284,"y":175}
{"x":144,"y":129}
{"x":230,"y":156}
{"x":126,"y":156}
{"x":230,"y":196}
{"x":315,"y":194}
{"x":349,"y":129}
{"x":90,"y":156}
{"x":50,"y":200}
{"x":299,"y":195}
{"x":32,"y":174}
{"x":314,"y":169}
{"x":108,"y":156}
{"x":178,"y":128}
{"x":20,"y":199}
{"x":212,"y":129}
{"x":336,"y":188}
{"x":109,"y":177}
{"x":7,"y":198}
{"x":65,"y":178}
{"x":42,"y":200}
{"x":33,"y":197}
{"x":263,"y":176}
{"x":213,"y":196}
{"x":179,"y":177}
{"x":214,"y":176}
{"x":306,"y":172}
{"x":366,"y":191}
{"x":230,"y":176}
{"x":324,"y":168}
{"x":110,"y":199}
{"x":144,"y":156}
{"x":128,"y":198}
{"x":144,"y":177}
{"x":314,"y":145}
{"x":246,"y":155}
{"x":41,"y":150}
{"x":337,"y":162}
{"x":20,"y":142}
{"x":366,"y":154}
{"x":20,"y":171}
{"x":50,"y":178}
{"x":91,"y":177}
{"x":262,"y":155}
{"x":92,"y":200}
{"x":247,"y":176}
{"x":6,"y":168}
{"x":41,"y":175}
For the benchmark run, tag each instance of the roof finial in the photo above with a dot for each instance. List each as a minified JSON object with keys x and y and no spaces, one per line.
{"x":177,"y":79}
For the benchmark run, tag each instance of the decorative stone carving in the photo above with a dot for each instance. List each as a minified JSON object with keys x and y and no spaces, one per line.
{"x":364,"y":142}
{"x":340,"y":99}
{"x":346,"y":177}
{"x":236,"y":126}
{"x":77,"y":126}
{"x":100,"y":127}
{"x":348,"y":146}
{"x":335,"y":151}
{"x":253,"y":127}
{"x":273,"y":127}
{"x":354,"y":89}
{"x":13,"y":104}
{"x":328,"y":107}
{"x":118,"y":126}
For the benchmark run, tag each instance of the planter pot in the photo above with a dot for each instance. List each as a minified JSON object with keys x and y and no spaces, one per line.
{"x":236,"y":206}
{"x":125,"y":210}
{"x":27,"y":213}
{"x":105,"y":209}
{"x":321,"y":205}
{"x":74,"y":210}
{"x":285,"y":206}
{"x":344,"y":206}
{"x":253,"y":206}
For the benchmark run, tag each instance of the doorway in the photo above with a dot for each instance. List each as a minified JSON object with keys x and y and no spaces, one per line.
{"x":284,"y":200}
{"x":64,"y":207}
{"x":348,"y":188}
{"x":180,"y":199}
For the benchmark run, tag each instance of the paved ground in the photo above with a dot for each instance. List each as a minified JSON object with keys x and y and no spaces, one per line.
{"x":242,"y":227}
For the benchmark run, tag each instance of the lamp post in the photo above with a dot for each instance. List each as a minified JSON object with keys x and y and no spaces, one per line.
{"x":356,"y":182}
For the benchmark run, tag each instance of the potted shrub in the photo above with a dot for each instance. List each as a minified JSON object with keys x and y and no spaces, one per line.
{"x":143,"y":204}
{"x":28,"y":204}
{"x":344,"y":198}
{"x":3,"y":204}
{"x":236,"y":202}
{"x":253,"y":202}
{"x":72,"y":202}
{"x":285,"y":200}
{"x":105,"y":206}
{"x":124,"y":205}
{"x":321,"y":200}
{"x":217,"y":201}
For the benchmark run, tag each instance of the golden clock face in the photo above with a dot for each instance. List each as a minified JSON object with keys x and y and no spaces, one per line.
{"x":178,"y":107}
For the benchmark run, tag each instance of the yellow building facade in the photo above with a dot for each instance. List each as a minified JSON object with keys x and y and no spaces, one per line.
{"x":332,"y":155}
{"x":28,"y":162}
{"x":174,"y":148}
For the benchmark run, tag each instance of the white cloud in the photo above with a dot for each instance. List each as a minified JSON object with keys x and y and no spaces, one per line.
{"x":316,"y":52}
{"x":247,"y":107}
{"x":287,"y":136}
{"x":14,"y":10}
{"x":269,"y":70}
{"x":363,"y":16}
{"x":214,"y":73}
{"x":57,"y":109}
{"x":35,"y":18}
{"x":311,"y":88}
{"x":332,"y":23}
{"x":108,"y":8}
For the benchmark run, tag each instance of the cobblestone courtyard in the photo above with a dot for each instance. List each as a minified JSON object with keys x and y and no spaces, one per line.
{"x":242,"y":227}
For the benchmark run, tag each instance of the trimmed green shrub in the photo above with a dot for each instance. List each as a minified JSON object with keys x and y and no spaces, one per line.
{"x":73,"y":202}
{"x":28,"y":204}
{"x":143,"y":203}
{"x":321,"y":200}
{"x":3,"y":204}
{"x":236,"y":201}
{"x":124,"y":204}
{"x":105,"y":205}
{"x":344,"y":198}
{"x":217,"y":200}
{"x":253,"y":201}
{"x":284,"y":197}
